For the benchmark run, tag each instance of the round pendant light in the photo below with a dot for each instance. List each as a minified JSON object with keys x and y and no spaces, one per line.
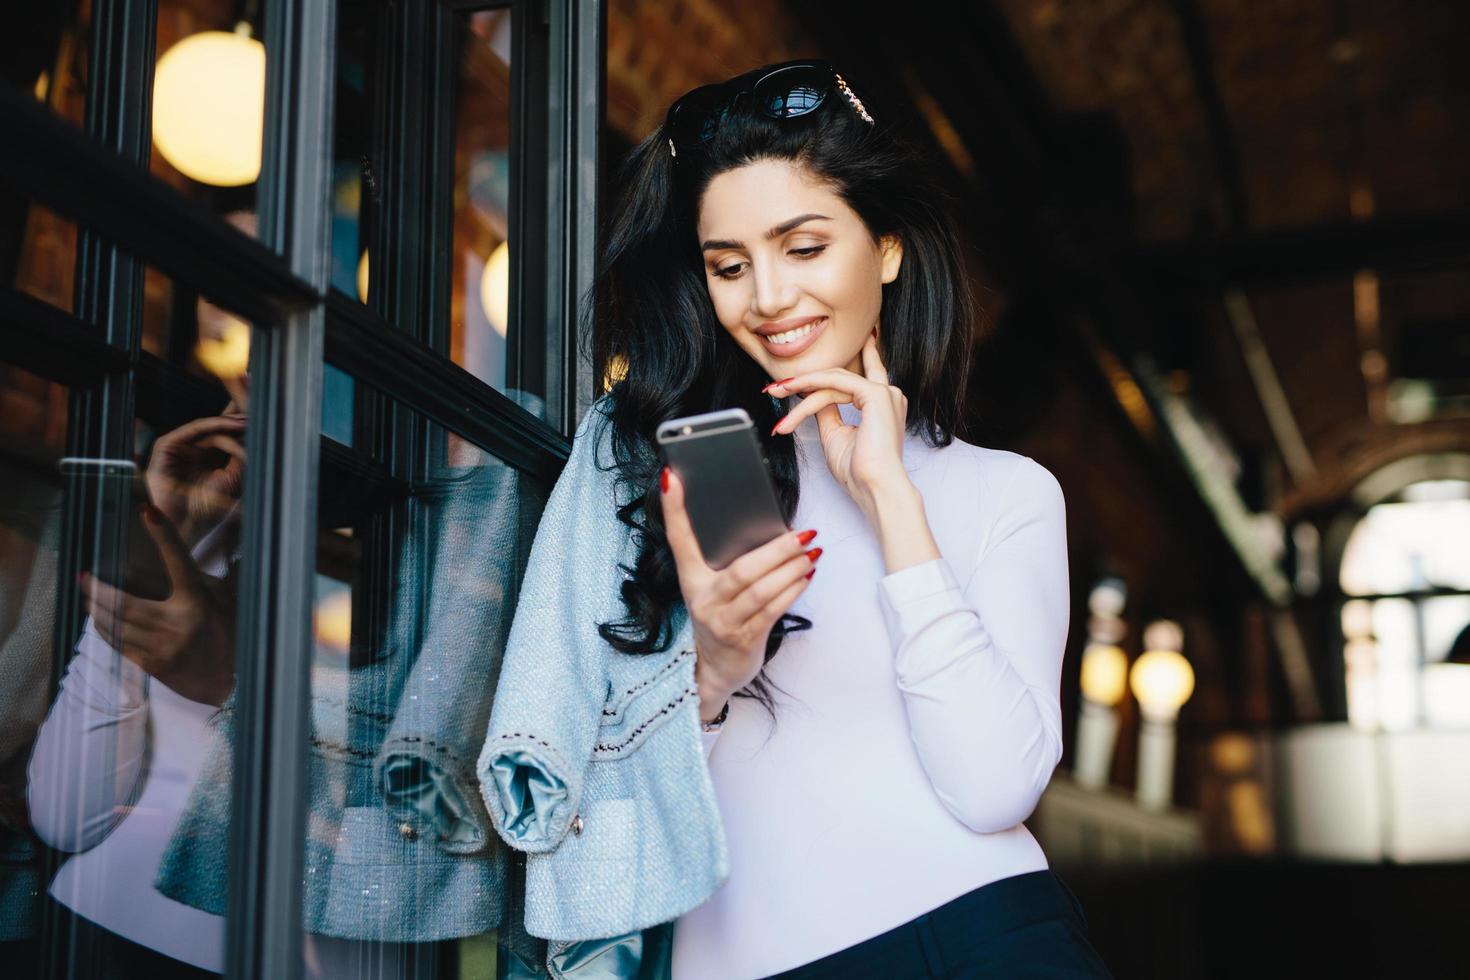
{"x":209,"y":106}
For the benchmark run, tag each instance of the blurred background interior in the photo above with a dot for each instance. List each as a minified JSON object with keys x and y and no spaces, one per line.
{"x":1223,"y":248}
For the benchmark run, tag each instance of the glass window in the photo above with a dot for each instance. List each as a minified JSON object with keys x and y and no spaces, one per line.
{"x":40,"y":252}
{"x":125,"y":456}
{"x":480,"y":311}
{"x":414,"y":598}
{"x":209,"y":101}
{"x":1405,"y":558}
{"x":46,"y":55}
{"x":33,"y":415}
{"x":121,"y":773}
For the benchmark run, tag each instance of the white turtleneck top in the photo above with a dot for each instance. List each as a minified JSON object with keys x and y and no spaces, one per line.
{"x":920,"y":723}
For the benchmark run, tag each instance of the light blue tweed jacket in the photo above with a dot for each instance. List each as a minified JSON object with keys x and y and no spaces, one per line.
{"x":593,"y":761}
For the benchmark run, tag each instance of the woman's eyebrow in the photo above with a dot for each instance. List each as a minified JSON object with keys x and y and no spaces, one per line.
{"x":775,"y":232}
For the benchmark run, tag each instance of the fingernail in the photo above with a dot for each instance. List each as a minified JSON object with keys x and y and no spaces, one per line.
{"x":778,"y":423}
{"x":663,"y":480}
{"x":805,"y":537}
{"x":81,"y":578}
{"x":810,"y":573}
{"x":781,"y":382}
{"x":154,"y":515}
{"x":814,"y":554}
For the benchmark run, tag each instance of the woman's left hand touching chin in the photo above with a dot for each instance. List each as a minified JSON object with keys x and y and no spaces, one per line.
{"x":867,"y":459}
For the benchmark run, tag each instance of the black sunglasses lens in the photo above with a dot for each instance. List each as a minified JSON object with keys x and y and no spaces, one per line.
{"x":696,"y":116}
{"x":784,"y":93}
{"x":792,"y":92}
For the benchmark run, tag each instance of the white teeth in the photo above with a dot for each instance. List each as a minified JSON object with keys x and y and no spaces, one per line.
{"x":790,"y":335}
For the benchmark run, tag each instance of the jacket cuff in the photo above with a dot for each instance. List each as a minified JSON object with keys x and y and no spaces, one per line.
{"x":529,"y":791}
{"x":422,"y":781}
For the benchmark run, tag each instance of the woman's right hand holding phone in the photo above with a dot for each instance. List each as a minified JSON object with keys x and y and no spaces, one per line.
{"x":732,"y":608}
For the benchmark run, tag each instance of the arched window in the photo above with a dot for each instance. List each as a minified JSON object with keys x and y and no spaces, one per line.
{"x":1405,"y":580}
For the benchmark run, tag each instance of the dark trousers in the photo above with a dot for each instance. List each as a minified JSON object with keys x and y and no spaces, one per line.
{"x":1027,"y":926}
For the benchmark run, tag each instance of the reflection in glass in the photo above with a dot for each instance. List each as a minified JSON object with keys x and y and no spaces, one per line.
{"x":209,"y":100}
{"x":480,"y":310}
{"x":142,"y":691}
{"x":209,"y":106}
{"x":39,"y":252}
{"x":32,"y":434}
{"x":47,"y":56}
{"x":401,"y":857}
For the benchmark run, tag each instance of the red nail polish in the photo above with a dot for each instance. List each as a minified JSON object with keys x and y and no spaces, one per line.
{"x":778,"y":424}
{"x":663,"y":479}
{"x":805,"y":537}
{"x":810,"y":573}
{"x":154,"y":515}
{"x":814,"y":554}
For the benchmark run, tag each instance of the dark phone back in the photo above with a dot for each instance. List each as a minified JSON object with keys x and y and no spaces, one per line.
{"x":117,"y":548}
{"x":728,"y":491}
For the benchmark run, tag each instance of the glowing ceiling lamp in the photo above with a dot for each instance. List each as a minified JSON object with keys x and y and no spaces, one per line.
{"x":209,"y":106}
{"x":1104,"y":683}
{"x":1162,"y":680}
{"x":332,"y":620}
{"x":227,"y":356}
{"x":495,"y":288}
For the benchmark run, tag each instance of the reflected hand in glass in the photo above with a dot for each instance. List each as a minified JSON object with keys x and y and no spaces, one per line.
{"x":187,"y":640}
{"x":195,"y":474}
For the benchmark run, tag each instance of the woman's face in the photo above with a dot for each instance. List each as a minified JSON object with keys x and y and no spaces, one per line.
{"x":826,"y":267}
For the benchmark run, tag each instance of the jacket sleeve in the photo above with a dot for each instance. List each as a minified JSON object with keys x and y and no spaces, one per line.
{"x":979,"y":665}
{"x":553,"y":681}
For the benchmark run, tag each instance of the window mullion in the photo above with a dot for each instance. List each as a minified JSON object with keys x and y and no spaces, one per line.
{"x":264,"y":933}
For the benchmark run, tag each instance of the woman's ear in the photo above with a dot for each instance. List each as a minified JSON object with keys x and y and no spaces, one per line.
{"x":892,"y":247}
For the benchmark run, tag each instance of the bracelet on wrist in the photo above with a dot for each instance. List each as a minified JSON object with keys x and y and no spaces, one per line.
{"x":714,"y":726}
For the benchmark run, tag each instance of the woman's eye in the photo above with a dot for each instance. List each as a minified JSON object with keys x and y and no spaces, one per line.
{"x":731,"y":271}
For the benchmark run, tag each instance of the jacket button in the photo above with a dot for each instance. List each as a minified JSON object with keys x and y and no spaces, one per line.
{"x":407,"y":831}
{"x":577,"y":825}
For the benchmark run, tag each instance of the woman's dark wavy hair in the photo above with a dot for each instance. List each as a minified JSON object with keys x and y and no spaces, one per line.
{"x":650,"y":309}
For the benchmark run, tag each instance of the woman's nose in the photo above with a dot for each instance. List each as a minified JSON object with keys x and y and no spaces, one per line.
{"x":771,"y":293}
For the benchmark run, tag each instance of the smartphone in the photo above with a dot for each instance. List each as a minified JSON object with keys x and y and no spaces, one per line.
{"x":117,"y":547}
{"x":728,"y":491}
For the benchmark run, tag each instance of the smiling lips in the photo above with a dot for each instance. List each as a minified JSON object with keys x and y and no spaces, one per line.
{"x":792,"y":342}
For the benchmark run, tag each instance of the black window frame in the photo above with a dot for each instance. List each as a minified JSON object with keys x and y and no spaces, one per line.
{"x":97,"y":176}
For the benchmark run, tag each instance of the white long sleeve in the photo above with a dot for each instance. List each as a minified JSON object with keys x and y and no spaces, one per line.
{"x":113,"y":764}
{"x":980,"y":666}
{"x":89,"y":753}
{"x":916,"y":723}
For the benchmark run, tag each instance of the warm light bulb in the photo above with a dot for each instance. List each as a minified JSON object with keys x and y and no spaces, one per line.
{"x":1104,"y":673}
{"x":227,"y":356}
{"x":495,"y":289}
{"x":209,"y":107}
{"x":333,"y":620}
{"x":362,"y":277}
{"x":1162,"y":680}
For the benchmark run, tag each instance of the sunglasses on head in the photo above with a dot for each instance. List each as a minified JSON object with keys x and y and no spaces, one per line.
{"x":784,"y":91}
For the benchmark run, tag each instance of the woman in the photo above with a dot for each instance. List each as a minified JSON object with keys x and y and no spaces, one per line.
{"x":777,"y":249}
